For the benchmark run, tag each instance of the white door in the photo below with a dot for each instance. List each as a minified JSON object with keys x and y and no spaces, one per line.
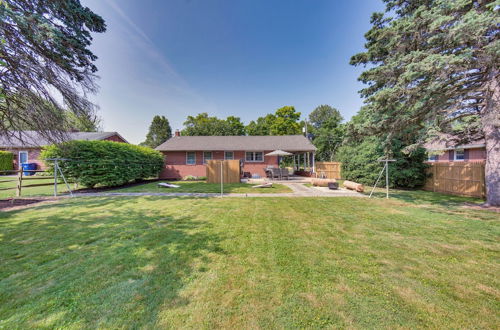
{"x":23,"y":157}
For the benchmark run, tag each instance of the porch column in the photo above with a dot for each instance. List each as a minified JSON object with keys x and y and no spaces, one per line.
{"x":314,"y":161}
{"x":305,"y":161}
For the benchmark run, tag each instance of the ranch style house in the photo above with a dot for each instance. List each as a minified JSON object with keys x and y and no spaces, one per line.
{"x":188,"y":155}
{"x":27,"y":145}
{"x":444,"y":149}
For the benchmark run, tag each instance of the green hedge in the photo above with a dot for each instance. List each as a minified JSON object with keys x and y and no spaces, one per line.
{"x":6,"y":160}
{"x":359,"y":163}
{"x":104,"y":163}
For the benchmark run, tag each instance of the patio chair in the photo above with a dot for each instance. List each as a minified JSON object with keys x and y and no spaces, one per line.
{"x":275,"y":173}
{"x":285,"y":173}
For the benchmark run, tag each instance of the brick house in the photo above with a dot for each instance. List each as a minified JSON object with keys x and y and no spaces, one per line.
{"x":27,"y":145}
{"x":444,"y":149}
{"x":187,"y":155}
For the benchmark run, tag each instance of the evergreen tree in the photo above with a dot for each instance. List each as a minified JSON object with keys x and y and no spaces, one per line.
{"x":159,"y":132}
{"x":432,"y":62}
{"x":45,"y":58}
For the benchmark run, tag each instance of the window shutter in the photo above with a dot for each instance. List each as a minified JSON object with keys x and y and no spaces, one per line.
{"x":451,"y":155}
{"x":466,"y":154}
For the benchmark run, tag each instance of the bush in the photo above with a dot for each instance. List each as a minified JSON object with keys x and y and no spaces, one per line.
{"x":359,"y":164}
{"x":104,"y":163}
{"x":194,"y":178}
{"x":359,"y":161}
{"x":6,"y":160}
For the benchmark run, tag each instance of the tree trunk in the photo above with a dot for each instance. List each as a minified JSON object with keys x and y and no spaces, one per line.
{"x":490,"y":120}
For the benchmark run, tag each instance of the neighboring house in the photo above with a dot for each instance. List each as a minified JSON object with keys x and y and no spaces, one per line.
{"x":444,"y":149}
{"x":27,"y":145}
{"x":187,"y":155}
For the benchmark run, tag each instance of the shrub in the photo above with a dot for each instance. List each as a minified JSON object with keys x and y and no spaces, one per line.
{"x":359,"y":161}
{"x":104,"y":163}
{"x":194,"y":178}
{"x":359,"y":164}
{"x":6,"y":160}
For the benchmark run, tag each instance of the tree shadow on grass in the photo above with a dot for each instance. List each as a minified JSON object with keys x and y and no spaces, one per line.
{"x":68,"y":264}
{"x":427,"y":197}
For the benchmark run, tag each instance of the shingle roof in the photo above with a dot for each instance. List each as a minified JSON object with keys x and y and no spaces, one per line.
{"x":450,"y":142}
{"x":24,"y":139}
{"x":291,"y":143}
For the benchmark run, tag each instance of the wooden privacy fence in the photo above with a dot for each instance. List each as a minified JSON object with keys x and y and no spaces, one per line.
{"x":464,"y":178}
{"x":328,"y":170}
{"x":230,"y":171}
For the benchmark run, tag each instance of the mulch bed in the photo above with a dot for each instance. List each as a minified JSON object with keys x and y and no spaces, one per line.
{"x":12,"y":204}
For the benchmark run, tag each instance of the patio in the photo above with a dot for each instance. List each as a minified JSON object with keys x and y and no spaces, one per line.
{"x":297,"y":184}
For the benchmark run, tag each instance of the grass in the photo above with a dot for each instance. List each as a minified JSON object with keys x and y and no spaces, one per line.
{"x":30,"y":191}
{"x":186,"y":186}
{"x":156,"y":262}
{"x":420,"y":197}
{"x":204,"y":187}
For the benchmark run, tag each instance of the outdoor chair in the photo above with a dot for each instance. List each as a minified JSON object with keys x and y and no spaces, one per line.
{"x":275,"y":173}
{"x":285,"y":173}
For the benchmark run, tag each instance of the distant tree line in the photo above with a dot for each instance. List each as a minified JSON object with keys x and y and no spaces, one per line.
{"x":324,"y":127}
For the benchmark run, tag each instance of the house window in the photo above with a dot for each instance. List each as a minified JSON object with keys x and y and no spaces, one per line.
{"x":459,"y":154}
{"x":207,"y":155}
{"x":228,"y":155}
{"x":433,"y":158}
{"x":254,"y":156}
{"x":191,"y":158}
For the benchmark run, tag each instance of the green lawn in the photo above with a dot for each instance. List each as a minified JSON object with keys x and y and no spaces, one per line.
{"x":203,"y":187}
{"x":156,"y":262}
{"x":422,"y":197}
{"x":30,"y":191}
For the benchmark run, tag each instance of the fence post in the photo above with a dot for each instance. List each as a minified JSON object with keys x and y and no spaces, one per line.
{"x":434,"y":176}
{"x":55,"y":178}
{"x":221,"y":178}
{"x":19,"y":183}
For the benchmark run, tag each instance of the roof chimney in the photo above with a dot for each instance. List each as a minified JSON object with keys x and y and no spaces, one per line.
{"x":177,"y":132}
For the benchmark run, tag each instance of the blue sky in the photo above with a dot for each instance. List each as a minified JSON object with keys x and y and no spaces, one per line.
{"x":244,"y":58}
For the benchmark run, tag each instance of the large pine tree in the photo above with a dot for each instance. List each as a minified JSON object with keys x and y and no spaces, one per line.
{"x":46,"y":66}
{"x":432,"y":62}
